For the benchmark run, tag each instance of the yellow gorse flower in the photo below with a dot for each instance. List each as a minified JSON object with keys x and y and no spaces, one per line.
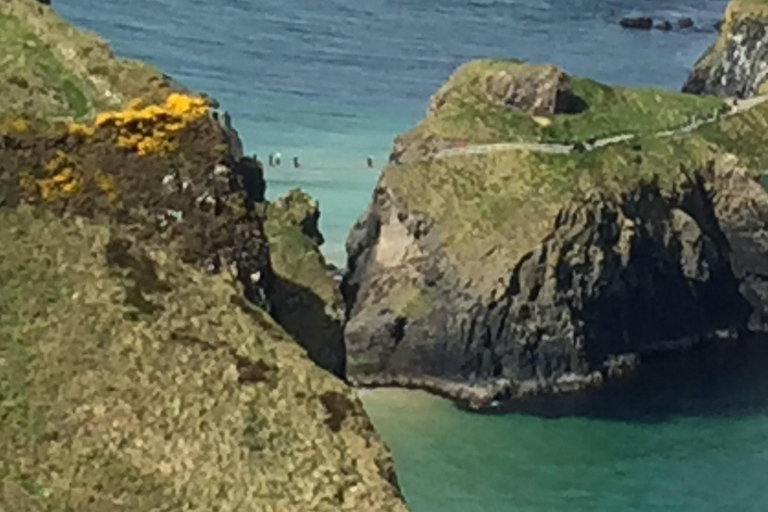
{"x":151,"y":129}
{"x":63,"y":181}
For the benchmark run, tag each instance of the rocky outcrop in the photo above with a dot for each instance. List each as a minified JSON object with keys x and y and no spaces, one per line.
{"x":741,"y":205}
{"x":546,"y":91}
{"x":506,"y":273}
{"x":647,"y":272}
{"x":737,"y":64}
{"x":306,"y":299}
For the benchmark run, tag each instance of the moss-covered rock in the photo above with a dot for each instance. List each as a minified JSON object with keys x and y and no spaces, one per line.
{"x":511,"y":271}
{"x":306,"y":297}
{"x":132,"y":381}
{"x":735,"y":65}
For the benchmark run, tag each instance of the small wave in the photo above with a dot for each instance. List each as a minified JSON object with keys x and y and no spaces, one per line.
{"x":503,"y":4}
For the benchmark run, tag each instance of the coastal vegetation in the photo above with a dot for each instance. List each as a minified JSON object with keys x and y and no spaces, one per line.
{"x":469,"y":112}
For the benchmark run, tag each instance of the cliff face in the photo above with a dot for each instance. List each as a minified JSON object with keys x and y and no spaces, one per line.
{"x":147,"y":288}
{"x":515,"y":270}
{"x":736,"y":65}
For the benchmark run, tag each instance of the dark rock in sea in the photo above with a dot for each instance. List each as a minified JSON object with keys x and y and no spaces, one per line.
{"x":684,"y":23}
{"x":665,"y":26}
{"x":717,"y":26}
{"x":638,"y":23}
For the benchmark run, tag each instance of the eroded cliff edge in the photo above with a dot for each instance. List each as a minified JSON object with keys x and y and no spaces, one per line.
{"x":147,"y":288}
{"x":542,"y":232}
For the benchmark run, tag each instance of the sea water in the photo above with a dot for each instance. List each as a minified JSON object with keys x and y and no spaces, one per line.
{"x":334,"y":81}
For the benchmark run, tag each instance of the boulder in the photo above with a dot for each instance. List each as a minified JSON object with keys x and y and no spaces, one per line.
{"x":685,"y":23}
{"x":637,"y":23}
{"x":665,"y":26}
{"x":539,"y":92}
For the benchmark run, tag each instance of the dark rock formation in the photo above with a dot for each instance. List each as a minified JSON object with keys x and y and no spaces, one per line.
{"x":637,"y":23}
{"x":665,"y":26}
{"x":736,"y":64}
{"x":685,"y":23}
{"x":614,"y":278}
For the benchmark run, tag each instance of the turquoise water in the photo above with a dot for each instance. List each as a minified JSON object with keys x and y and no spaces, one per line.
{"x":333,"y":81}
{"x":679,"y":438}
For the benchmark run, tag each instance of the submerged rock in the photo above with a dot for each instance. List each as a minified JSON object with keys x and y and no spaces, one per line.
{"x":637,"y":23}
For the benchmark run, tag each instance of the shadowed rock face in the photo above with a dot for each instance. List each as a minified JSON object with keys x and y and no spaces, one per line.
{"x":648,"y":272}
{"x":306,"y":300}
{"x":737,"y":65}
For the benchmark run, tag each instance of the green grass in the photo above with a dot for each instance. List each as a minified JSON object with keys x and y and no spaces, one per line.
{"x":198,"y":407}
{"x":482,"y":202}
{"x":49,"y":69}
{"x":468,"y":115}
{"x":294,"y":255}
{"x":33,"y":82}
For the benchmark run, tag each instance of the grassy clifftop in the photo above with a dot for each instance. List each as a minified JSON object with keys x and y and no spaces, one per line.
{"x":483,"y":202}
{"x":50,"y":69}
{"x":468,"y":110}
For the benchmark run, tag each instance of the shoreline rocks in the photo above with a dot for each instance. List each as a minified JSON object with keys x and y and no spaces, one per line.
{"x":647,"y":23}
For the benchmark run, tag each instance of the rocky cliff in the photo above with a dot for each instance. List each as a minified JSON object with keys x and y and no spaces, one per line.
{"x":737,"y":64}
{"x":516,"y":262}
{"x":152,"y":354}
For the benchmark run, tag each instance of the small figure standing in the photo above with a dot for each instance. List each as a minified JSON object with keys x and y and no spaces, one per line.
{"x":271,"y":160}
{"x":369,"y":160}
{"x":278,"y":159}
{"x":296,"y":163}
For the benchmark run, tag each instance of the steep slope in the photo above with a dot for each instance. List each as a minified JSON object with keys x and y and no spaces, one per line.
{"x":140,"y":270}
{"x":514,"y":271}
{"x":133,"y":382}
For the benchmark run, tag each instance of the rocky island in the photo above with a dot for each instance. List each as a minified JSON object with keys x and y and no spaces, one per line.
{"x":539,"y":233}
{"x":169,"y":340}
